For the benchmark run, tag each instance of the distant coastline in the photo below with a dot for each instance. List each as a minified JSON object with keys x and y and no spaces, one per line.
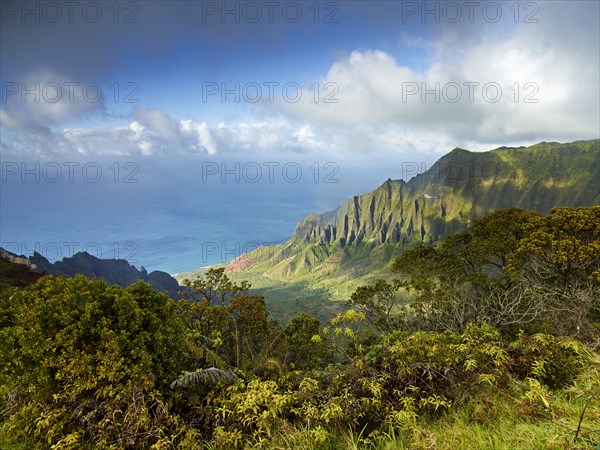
{"x":192,"y":273}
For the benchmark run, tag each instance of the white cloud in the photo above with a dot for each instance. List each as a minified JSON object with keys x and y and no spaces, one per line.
{"x":158,"y":123}
{"x":381,"y":106}
{"x":45,"y":97}
{"x":159,"y":134}
{"x":547,"y":73}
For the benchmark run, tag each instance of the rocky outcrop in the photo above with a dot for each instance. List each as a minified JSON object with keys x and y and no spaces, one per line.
{"x":16,"y":270}
{"x":16,"y":259}
{"x":114,"y":271}
{"x":239,"y":264}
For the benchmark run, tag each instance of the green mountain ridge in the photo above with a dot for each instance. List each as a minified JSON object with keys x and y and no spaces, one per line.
{"x":330,"y":254}
{"x":459,"y":186}
{"x":113,"y":271}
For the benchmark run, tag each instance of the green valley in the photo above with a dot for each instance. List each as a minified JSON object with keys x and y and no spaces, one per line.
{"x":331,"y":254}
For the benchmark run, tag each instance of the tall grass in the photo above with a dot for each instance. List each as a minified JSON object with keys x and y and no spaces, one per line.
{"x":494,"y":421}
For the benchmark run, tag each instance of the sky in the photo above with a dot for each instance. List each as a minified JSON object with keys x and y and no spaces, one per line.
{"x":174,"y":127}
{"x":335,"y":79}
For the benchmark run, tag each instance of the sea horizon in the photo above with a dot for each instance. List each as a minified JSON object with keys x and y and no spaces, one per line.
{"x":173,"y":216}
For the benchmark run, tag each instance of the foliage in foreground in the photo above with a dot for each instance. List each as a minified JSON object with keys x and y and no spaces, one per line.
{"x":499,"y":349}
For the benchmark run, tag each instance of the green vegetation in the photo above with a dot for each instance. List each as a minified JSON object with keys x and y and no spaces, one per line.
{"x":496,"y":346}
{"x":332,"y":254}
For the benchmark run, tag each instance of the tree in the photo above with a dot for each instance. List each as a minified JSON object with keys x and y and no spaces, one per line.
{"x":559,"y":260}
{"x":466,"y":278}
{"x":251,"y":328}
{"x":302,"y":352}
{"x":444,"y":283}
{"x":86,"y":361}
{"x":215,"y":287}
{"x":498,"y":234}
{"x":381,"y":304}
{"x":223,"y":318}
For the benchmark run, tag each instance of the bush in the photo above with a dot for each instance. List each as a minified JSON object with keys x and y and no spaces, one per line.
{"x":553,"y":360}
{"x":85,"y":363}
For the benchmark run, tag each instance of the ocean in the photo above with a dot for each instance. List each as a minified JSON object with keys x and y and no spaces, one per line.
{"x":173,"y":213}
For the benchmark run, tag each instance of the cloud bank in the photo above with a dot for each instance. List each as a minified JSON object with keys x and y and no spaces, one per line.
{"x":476,"y":87}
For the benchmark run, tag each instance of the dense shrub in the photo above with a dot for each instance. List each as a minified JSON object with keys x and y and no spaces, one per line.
{"x":84,"y":363}
{"x":87,"y":365}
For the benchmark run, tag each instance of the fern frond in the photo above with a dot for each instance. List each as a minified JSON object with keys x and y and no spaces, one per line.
{"x":205,"y":355}
{"x":212,"y":375}
{"x":213,"y":358}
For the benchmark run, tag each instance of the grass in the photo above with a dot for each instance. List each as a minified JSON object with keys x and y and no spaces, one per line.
{"x":493,"y":421}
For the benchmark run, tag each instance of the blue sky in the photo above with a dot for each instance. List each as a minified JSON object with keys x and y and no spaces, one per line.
{"x":376,"y":59}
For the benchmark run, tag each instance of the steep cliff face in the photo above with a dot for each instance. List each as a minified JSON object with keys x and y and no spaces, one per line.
{"x":391,"y":214}
{"x":460,"y":186}
{"x":365,"y":232}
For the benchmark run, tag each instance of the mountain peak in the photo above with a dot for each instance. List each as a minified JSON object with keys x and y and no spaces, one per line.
{"x":113,"y":271}
{"x":367,"y":230}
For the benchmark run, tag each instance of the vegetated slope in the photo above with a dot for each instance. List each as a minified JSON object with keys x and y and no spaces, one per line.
{"x":340,"y":249}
